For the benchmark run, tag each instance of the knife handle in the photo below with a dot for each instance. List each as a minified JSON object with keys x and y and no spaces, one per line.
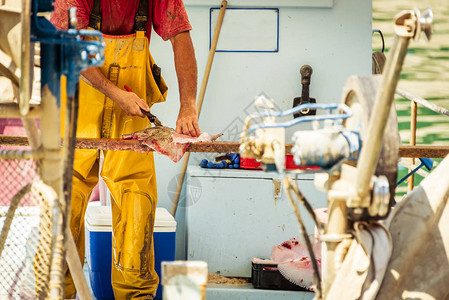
{"x":127,"y":88}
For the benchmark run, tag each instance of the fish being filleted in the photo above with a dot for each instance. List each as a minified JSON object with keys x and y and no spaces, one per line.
{"x":165,"y":140}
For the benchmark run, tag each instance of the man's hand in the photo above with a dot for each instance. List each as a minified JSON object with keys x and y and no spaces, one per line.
{"x":130,"y":103}
{"x":187,"y":122}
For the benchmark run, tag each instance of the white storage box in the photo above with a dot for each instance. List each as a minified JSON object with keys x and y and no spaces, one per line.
{"x":234,"y":215}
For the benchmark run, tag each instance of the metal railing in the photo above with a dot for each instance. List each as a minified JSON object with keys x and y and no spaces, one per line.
{"x":415,"y":100}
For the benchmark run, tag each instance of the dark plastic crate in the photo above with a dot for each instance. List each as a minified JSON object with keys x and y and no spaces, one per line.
{"x":267,"y":276}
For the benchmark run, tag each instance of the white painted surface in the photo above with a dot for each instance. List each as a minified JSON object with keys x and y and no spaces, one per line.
{"x":99,"y":219}
{"x":263,"y":3}
{"x":247,"y":30}
{"x":247,"y":292}
{"x":335,"y":41}
{"x":236,"y":217}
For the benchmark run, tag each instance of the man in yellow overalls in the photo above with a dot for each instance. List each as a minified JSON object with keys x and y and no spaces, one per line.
{"x":106,"y":110}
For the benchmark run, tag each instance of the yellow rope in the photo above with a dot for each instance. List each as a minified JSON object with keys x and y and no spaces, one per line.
{"x":378,"y":60}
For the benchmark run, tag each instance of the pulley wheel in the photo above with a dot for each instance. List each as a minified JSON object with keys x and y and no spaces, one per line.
{"x":360,"y":94}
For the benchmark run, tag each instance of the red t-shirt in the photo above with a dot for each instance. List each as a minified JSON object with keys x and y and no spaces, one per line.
{"x":168,"y":17}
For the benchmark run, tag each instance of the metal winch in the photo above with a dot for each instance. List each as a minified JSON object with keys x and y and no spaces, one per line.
{"x":323,"y":148}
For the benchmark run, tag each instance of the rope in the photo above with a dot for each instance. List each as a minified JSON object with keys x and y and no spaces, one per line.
{"x":378,"y":62}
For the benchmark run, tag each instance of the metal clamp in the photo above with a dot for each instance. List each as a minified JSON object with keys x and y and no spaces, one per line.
{"x":411,"y":23}
{"x":79,"y":49}
{"x":380,"y":201}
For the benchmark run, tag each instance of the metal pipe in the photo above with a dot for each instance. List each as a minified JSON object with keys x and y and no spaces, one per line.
{"x":26,"y":60}
{"x":19,"y":154}
{"x":32,"y":132}
{"x":346,"y":112}
{"x":376,"y":128}
{"x":423,"y":102}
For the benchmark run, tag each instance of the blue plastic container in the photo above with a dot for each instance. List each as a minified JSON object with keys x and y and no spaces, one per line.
{"x":99,"y":247}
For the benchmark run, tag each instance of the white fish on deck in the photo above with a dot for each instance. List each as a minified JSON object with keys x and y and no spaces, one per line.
{"x":294,"y":261}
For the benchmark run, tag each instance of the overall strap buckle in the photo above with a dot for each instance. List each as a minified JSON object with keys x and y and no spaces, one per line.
{"x":95,"y":16}
{"x":141,"y":17}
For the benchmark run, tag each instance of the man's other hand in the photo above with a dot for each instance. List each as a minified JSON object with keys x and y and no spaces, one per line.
{"x":187,"y":122}
{"x":186,"y":71}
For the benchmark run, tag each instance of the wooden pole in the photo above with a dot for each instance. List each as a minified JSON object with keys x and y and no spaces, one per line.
{"x":213,"y":147}
{"x":75,"y":267}
{"x":210,"y":59}
{"x":413,"y":121}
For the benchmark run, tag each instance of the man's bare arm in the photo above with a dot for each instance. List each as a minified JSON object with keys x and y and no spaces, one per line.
{"x":186,"y":71}
{"x":129,"y":102}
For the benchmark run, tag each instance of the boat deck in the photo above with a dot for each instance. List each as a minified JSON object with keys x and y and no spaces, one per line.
{"x":241,"y":292}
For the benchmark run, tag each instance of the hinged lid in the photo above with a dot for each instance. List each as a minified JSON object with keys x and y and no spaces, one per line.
{"x":102,"y":216}
{"x":164,"y":218}
{"x":99,"y":216}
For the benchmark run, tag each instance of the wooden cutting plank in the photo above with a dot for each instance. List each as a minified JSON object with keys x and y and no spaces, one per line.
{"x":213,"y":147}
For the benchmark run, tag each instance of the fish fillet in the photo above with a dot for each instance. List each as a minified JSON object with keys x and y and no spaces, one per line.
{"x":166,"y":141}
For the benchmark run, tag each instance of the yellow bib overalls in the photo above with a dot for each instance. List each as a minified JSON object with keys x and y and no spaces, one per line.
{"x":129,"y":176}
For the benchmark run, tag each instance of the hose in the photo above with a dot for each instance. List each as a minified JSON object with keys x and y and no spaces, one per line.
{"x":302,"y":229}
